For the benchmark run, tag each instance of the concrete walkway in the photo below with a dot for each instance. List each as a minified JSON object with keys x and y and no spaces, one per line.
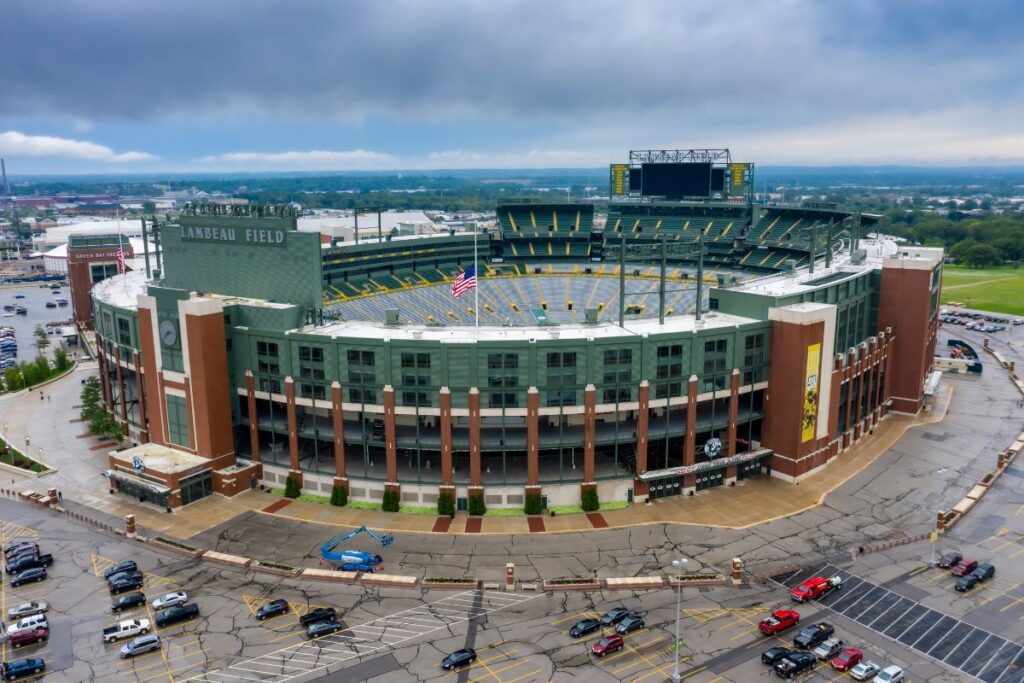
{"x":53,"y":427}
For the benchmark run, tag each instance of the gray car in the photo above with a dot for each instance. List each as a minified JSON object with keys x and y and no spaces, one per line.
{"x":140,"y":645}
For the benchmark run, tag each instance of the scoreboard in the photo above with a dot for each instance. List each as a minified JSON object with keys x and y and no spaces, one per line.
{"x":676,"y":175}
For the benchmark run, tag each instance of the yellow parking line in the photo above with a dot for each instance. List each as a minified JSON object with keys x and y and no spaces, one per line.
{"x":514,"y":680}
{"x":493,"y":673}
{"x":482,"y":661}
{"x":915,"y":572}
{"x":575,"y":616}
{"x":628,"y":650}
{"x":152,"y":621}
{"x":995,"y":594}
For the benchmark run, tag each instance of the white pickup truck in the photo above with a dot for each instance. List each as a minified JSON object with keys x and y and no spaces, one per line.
{"x":126,"y":629}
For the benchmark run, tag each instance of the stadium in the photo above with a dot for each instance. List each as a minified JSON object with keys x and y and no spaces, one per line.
{"x":694,"y":339}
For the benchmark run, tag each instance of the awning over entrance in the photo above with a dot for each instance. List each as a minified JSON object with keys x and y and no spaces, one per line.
{"x":137,"y":482}
{"x":697,"y":468}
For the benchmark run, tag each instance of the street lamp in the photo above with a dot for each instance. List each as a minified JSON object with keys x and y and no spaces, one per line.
{"x":678,"y":564}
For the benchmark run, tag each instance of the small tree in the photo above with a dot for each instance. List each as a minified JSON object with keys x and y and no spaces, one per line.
{"x":390,"y":502}
{"x":589,"y":501}
{"x":291,"y":488}
{"x":476,"y":505}
{"x":339,"y":496}
{"x":445,"y":504}
{"x":533,"y":504}
{"x":42,"y":340}
{"x":61,"y":360}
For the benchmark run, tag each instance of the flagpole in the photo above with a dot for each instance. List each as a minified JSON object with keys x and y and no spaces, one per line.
{"x":476,"y":290}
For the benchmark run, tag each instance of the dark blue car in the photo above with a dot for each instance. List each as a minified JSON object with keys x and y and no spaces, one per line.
{"x":19,"y":668}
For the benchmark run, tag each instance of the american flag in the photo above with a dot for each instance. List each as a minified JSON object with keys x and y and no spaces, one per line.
{"x":464,"y":282}
{"x":120,"y":259}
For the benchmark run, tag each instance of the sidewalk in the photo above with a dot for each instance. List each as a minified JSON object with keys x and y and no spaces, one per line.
{"x":54,"y":428}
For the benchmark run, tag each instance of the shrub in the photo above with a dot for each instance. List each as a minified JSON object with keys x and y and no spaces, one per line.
{"x":390,"y":503}
{"x":445,"y":504}
{"x":532,"y":504}
{"x":339,"y":496}
{"x":291,"y":488}
{"x":476,"y":504}
{"x":590,"y":503}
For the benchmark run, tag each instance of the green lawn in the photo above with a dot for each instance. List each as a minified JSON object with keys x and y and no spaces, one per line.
{"x":988,"y":289}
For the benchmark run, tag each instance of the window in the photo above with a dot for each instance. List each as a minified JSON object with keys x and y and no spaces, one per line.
{"x":620,"y":395}
{"x":177,"y":421}
{"x":310,"y":373}
{"x":411,"y":379}
{"x":564,"y":397}
{"x":668,"y":390}
{"x":618,"y":356}
{"x":503,"y":399}
{"x":312,"y":354}
{"x":360,"y":395}
{"x":315,"y":391}
{"x":565,"y":359}
{"x":266,"y":368}
{"x":507,"y":361}
{"x":713,"y":303}
{"x":416,"y":360}
{"x":415,"y":398}
{"x":364,"y":358}
{"x":268,"y":349}
{"x":673,"y":351}
{"x":124,"y":332}
{"x":614,"y":377}
{"x":272,"y":386}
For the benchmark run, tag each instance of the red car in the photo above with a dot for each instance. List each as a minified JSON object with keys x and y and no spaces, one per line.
{"x":964,"y":567}
{"x":29,"y":636}
{"x":815,"y":588}
{"x":847,"y":659}
{"x":779,"y":621}
{"x":607,"y":644}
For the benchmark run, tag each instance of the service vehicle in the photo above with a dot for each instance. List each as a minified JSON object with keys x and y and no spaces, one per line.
{"x":318,"y":614}
{"x":795,"y":663}
{"x":614,"y":616}
{"x":583,"y":627}
{"x":815,"y":587}
{"x":633,"y":622}
{"x":949,"y":560}
{"x":28,"y":576}
{"x":173,"y":615}
{"x":864,"y":670}
{"x":170,"y":600}
{"x":890,"y":674}
{"x":27,"y":609}
{"x":20,"y":668}
{"x":607,"y":644}
{"x":774,"y":654}
{"x":813,"y":636}
{"x":130,"y":601}
{"x":847,"y":659}
{"x":140,"y":646}
{"x":779,"y":621}
{"x":466,"y":655}
{"x":274,"y":608}
{"x":322,"y":628}
{"x":126,"y":629}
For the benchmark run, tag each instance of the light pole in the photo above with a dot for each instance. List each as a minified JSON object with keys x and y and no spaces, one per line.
{"x":934,"y":539}
{"x":678,"y":564}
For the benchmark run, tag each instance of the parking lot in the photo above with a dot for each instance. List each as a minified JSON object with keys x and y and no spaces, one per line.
{"x":34,"y":301}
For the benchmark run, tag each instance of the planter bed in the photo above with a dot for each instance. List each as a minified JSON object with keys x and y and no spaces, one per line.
{"x":572,"y":584}
{"x":439,"y":583}
{"x":634,"y":582}
{"x":274,"y":568}
{"x":697,"y":580}
{"x":176,"y":546}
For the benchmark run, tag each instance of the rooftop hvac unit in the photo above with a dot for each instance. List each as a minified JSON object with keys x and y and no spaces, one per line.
{"x":789,"y":265}
{"x":591,"y":316}
{"x":391,"y":316}
{"x":858,"y":257}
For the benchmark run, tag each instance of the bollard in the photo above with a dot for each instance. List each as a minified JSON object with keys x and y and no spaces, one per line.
{"x":129,"y":526}
{"x":737,"y":571}
{"x":940,"y":521}
{"x":510,"y":577}
{"x":52,"y":495}
{"x":1001,"y":462}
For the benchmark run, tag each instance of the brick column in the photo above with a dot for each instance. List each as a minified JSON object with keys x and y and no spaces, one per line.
{"x":734,"y":408}
{"x":123,"y":401}
{"x":690,"y":445}
{"x":851,"y":364}
{"x":589,"y":429}
{"x":254,"y":420}
{"x":532,"y":455}
{"x":390,"y":449}
{"x":293,"y":431}
{"x":891,"y":343}
{"x":872,"y":372}
{"x":338,"y":425}
{"x":474,"y":438}
{"x":140,"y":390}
{"x":445,"y":400}
{"x":643,"y":417}
{"x":861,"y":371}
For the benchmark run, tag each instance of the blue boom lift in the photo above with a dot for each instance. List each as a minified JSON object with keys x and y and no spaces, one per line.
{"x":354,"y":560}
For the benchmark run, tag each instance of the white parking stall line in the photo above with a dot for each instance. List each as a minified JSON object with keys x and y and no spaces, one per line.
{"x":380,"y":634}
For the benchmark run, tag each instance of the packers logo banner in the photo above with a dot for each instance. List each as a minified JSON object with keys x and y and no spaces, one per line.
{"x":809,"y":423}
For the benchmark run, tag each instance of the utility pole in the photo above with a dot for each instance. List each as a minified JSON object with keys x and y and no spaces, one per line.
{"x":661,"y":282}
{"x":700,"y":273}
{"x":622,"y":282}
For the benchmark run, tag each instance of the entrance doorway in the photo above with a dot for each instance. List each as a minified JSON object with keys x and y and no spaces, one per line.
{"x":195,"y":487}
{"x":669,"y":486}
{"x":706,"y":480}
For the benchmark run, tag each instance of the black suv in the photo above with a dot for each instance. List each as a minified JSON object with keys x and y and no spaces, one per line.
{"x":172,"y":615}
{"x":125,"y":566}
{"x":466,"y":655}
{"x":813,"y":636}
{"x":583,"y":627}
{"x":795,"y":663}
{"x":322,"y":628}
{"x":774,"y":654}
{"x":318,"y":614}
{"x":125,"y":583}
{"x":130,"y":601}
{"x":274,"y":608}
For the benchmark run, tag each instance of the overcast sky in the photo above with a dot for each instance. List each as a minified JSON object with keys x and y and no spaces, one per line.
{"x":256,"y":85}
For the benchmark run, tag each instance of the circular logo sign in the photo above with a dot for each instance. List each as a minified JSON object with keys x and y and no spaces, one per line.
{"x":713,"y":447}
{"x":137,"y":463}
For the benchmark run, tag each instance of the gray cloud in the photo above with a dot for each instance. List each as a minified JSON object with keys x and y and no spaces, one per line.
{"x":687,"y":64}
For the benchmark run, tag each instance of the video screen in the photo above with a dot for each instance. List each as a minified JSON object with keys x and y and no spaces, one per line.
{"x":675,"y":181}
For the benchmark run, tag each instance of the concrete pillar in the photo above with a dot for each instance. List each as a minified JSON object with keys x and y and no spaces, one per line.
{"x":737,"y":571}
{"x":254,"y":420}
{"x":338,"y":426}
{"x":690,"y":445}
{"x":532,"y":454}
{"x":589,"y":429}
{"x":940,"y":520}
{"x":510,"y":576}
{"x":734,"y":408}
{"x":1001,"y":460}
{"x":445,"y":399}
{"x":129,"y":526}
{"x":390,"y":450}
{"x":475,"y":478}
{"x":293,"y":430}
{"x":51,"y":494}
{"x":640,"y":487}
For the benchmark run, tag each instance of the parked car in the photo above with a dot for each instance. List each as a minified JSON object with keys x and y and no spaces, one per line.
{"x":583,"y":627}
{"x":178,"y":613}
{"x":614,"y":616}
{"x":274,"y":608}
{"x":828,"y":649}
{"x":170,"y":600}
{"x":124,"y":583}
{"x":794,"y":663}
{"x":466,"y":655}
{"x":125,"y":566}
{"x":812,"y":636}
{"x":27,"y":609}
{"x":966,"y":583}
{"x":847,"y":659}
{"x":890,"y":674}
{"x":864,"y":670}
{"x":607,"y":644}
{"x":18,"y":547}
{"x":985,"y":571}
{"x":779,"y":621}
{"x":949,"y":560}
{"x":29,"y":636}
{"x":34,"y":621}
{"x":140,"y":645}
{"x":19,"y":668}
{"x":774,"y":654}
{"x":126,"y":629}
{"x":633,"y":622}
{"x":815,"y":587}
{"x":130,"y":601}
{"x":322,"y":628}
{"x":28,"y":576}
{"x":133,"y":574}
{"x":964,"y":567}
{"x":318,"y":614}
{"x":32,"y":561}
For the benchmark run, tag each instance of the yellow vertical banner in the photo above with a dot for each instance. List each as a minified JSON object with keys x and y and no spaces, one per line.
{"x":619,"y":178}
{"x":809,"y":423}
